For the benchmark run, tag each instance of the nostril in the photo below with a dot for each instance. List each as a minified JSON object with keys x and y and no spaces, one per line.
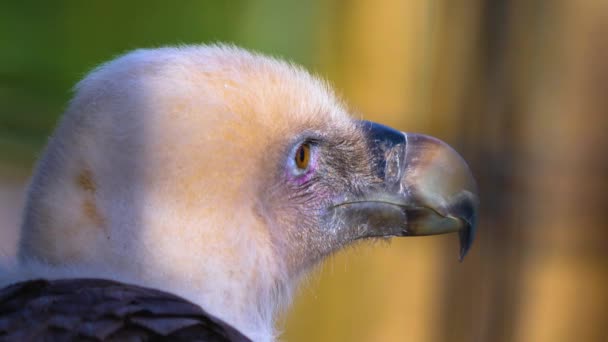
{"x":393,"y":166}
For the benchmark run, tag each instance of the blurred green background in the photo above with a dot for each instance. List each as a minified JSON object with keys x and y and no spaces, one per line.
{"x":519,"y":87}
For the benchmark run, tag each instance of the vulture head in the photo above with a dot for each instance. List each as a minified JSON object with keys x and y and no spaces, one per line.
{"x":222,"y":176}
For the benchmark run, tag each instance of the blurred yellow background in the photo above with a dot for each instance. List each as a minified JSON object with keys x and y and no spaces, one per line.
{"x":519,"y":87}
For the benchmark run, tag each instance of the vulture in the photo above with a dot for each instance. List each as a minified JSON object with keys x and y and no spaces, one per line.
{"x":187,"y":190}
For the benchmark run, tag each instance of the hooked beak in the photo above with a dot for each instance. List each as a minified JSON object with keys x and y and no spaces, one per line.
{"x":426,"y":188}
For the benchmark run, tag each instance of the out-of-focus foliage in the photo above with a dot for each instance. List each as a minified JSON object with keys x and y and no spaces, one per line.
{"x":519,"y":87}
{"x":46,"y":47}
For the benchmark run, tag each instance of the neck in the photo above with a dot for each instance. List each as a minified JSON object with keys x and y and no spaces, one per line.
{"x":252,"y":312}
{"x":230,"y":269}
{"x":249,"y":306}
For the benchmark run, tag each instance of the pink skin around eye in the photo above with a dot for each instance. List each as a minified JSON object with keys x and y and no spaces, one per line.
{"x":300,"y":179}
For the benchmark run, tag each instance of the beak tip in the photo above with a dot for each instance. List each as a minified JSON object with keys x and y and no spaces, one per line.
{"x":467,"y":234}
{"x":466,"y":240}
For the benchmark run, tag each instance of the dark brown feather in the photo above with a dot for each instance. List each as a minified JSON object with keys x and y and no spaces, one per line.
{"x":103,"y":310}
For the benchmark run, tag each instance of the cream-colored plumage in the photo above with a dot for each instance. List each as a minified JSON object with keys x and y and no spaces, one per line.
{"x":152,"y":149}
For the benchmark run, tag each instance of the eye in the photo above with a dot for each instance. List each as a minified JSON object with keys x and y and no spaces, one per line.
{"x":302,"y":156}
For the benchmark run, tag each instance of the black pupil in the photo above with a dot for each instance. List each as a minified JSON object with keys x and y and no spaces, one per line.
{"x":301,"y":154}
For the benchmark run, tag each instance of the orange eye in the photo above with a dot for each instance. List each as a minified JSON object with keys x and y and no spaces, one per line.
{"x":303,"y":156}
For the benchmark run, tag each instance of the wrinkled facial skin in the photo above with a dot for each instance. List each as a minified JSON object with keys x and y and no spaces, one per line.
{"x":340,"y":164}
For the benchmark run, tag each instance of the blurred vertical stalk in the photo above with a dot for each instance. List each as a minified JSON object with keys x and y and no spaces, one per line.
{"x":377,"y":56}
{"x":565,"y":174}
